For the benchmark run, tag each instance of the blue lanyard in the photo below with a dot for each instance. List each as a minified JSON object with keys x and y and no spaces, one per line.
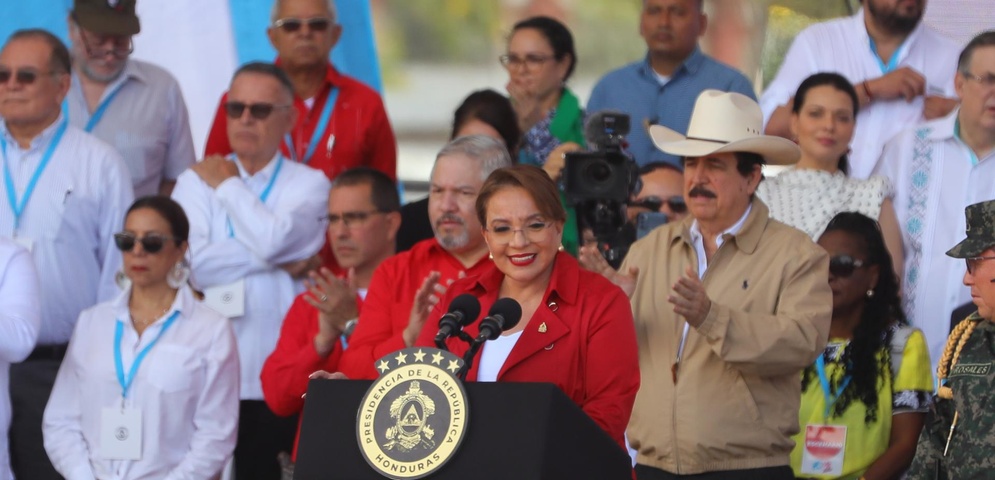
{"x":101,"y":109}
{"x":319,"y":130}
{"x":18,"y":208}
{"x":830,"y":395}
{"x":892,"y":62}
{"x":262,"y":196}
{"x":119,"y":364}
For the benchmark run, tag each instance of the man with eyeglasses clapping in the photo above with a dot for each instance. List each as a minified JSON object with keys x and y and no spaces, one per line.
{"x":253,"y":237}
{"x":135,"y":106}
{"x":341,"y":123}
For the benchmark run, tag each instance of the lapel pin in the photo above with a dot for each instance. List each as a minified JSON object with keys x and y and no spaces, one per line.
{"x":542,"y":327}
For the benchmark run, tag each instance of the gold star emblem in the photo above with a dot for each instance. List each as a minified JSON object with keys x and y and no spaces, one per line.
{"x":453,"y":366}
{"x":401,"y":358}
{"x":383,"y":366}
{"x":437,"y":358}
{"x":420,"y":356}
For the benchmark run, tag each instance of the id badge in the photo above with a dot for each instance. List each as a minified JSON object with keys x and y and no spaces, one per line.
{"x":25,"y":242}
{"x":121,"y":433}
{"x":228,"y":299}
{"x":824,"y":447}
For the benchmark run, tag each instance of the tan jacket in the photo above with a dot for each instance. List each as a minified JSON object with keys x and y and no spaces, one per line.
{"x":735,"y":403}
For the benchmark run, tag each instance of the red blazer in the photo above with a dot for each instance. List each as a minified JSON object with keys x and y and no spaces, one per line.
{"x":388,"y":303}
{"x":588,"y":349}
{"x":363,"y":135}
{"x":286,"y":370}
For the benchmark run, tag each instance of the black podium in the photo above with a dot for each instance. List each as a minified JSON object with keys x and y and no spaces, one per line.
{"x":520,"y":431}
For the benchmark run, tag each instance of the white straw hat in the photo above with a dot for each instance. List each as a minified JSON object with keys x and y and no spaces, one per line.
{"x":725,"y":122}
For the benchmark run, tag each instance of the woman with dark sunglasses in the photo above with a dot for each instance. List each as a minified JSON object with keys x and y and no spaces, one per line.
{"x":864,"y":399}
{"x":149,"y":385}
{"x":808,"y":194}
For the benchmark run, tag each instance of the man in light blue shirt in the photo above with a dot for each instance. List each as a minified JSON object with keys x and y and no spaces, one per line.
{"x":661,"y":88}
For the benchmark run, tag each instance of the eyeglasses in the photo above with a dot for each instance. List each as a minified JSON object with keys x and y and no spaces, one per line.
{"x":972,"y":263}
{"x":151,"y":243}
{"x":654,"y":203}
{"x":987,"y":81}
{"x":531,"y":61}
{"x":315,"y":24}
{"x":259,"y":111}
{"x":844,"y":265}
{"x":505,"y":234}
{"x":349,"y":219}
{"x":121,"y":45}
{"x":22,"y":76}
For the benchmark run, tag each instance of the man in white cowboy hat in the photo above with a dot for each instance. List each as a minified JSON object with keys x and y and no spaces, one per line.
{"x":729,"y":305}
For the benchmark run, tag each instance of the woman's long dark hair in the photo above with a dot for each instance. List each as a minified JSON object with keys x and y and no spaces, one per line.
{"x":867,"y":358}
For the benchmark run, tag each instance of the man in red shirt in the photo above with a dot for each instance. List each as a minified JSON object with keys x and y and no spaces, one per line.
{"x":393,"y":317}
{"x":363,"y":218}
{"x":341,"y":123}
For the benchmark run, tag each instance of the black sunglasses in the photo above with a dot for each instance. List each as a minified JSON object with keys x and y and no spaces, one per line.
{"x":844,"y":265}
{"x":290,"y":25}
{"x":653,"y":202}
{"x":151,"y":243}
{"x":259,"y":111}
{"x":23,"y":76}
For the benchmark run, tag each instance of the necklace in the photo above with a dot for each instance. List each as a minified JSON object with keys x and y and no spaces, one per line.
{"x":144,"y":323}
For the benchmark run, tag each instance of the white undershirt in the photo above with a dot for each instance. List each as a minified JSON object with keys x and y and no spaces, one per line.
{"x":309,"y":102}
{"x":494,"y":355}
{"x":661,"y":79}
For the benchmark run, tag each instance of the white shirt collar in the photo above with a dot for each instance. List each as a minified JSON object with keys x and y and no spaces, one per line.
{"x":696,"y":236}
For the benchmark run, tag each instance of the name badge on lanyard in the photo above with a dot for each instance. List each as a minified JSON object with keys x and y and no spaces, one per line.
{"x":121,"y":427}
{"x":824,"y":448}
{"x":228,"y":299}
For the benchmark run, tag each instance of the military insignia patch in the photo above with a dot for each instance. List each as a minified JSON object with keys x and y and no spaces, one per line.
{"x":413,"y":418}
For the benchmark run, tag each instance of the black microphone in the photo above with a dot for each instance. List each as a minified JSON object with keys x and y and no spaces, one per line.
{"x":463,"y":311}
{"x":503,"y":316}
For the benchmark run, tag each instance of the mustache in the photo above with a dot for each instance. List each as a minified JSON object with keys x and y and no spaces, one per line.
{"x":449,"y":217}
{"x":699,"y":191}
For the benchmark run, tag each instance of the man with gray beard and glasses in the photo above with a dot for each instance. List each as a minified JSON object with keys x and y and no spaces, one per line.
{"x":392,"y":316}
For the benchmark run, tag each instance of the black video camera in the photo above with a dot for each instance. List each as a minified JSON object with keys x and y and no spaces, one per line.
{"x":599,"y":183}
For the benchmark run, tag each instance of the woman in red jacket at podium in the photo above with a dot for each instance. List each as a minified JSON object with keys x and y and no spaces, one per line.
{"x":576,"y":329}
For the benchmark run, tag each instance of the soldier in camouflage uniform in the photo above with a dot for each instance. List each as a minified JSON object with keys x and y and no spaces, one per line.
{"x":958,"y":441}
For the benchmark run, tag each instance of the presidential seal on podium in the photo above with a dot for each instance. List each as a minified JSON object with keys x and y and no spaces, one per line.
{"x":413,"y":418}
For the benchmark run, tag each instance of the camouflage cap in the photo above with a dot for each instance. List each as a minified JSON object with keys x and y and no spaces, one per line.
{"x":107,"y":17}
{"x":980,"y":231}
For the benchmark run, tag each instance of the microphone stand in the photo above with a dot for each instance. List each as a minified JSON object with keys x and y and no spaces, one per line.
{"x":475,"y":345}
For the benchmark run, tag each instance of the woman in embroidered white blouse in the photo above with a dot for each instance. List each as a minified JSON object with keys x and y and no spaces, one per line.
{"x":808,"y":195}
{"x":149,"y":385}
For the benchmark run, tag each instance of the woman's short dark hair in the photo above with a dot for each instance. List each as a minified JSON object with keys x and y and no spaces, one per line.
{"x":836,"y":81}
{"x":558,"y":36}
{"x":530,"y":178}
{"x":170,"y":211}
{"x":495,"y":110}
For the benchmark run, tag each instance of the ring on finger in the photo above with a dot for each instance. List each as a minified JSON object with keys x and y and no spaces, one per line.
{"x":323,"y":298}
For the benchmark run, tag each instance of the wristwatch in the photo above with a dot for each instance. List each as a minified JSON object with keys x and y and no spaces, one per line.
{"x":349,"y":327}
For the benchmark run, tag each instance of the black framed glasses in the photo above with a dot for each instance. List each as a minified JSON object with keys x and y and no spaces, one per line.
{"x":22,"y":76}
{"x":259,"y":111}
{"x":972,"y":263}
{"x":844,"y":265}
{"x":121,"y":45}
{"x":349,"y":219}
{"x":315,"y":24}
{"x":151,"y":243}
{"x":654,"y":203}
